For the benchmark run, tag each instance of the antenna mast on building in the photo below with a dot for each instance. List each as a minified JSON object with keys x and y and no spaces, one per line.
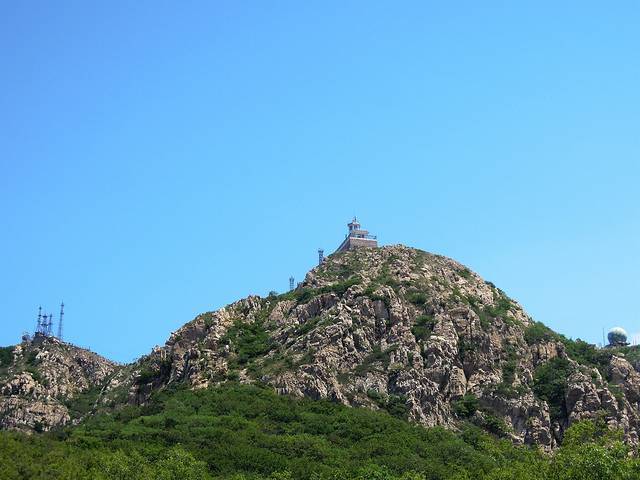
{"x":60,"y":322}
{"x":320,"y":256}
{"x":291,"y":280}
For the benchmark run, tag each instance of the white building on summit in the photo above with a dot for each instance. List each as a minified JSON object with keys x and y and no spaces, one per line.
{"x":357,"y":238}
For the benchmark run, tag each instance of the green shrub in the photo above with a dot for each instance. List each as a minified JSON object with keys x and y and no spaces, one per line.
{"x":550,"y":384}
{"x":32,"y":359}
{"x":36,"y":375}
{"x":538,"y":332}
{"x":590,"y":450}
{"x":509,"y":365}
{"x":587,"y":354}
{"x":466,"y":346}
{"x":370,"y":292}
{"x":396,"y":405}
{"x":385,"y":278}
{"x":631,"y":352}
{"x":376,"y":355}
{"x":509,"y":371}
{"x":466,"y":406}
{"x":146,"y":375}
{"x":248,"y":340}
{"x":617,"y":392}
{"x":303,"y":295}
{"x":308,"y":325}
{"x":374,"y":395}
{"x":417,"y":298}
{"x":480,"y":311}
{"x":341,"y":287}
{"x":582,"y":352}
{"x":6,"y":356}
{"x":207,"y":318}
{"x":465,"y":273}
{"x":501,"y":308}
{"x":505,"y":388}
{"x":488,"y":313}
{"x":494,"y":424}
{"x":83,"y":403}
{"x":423,"y":327}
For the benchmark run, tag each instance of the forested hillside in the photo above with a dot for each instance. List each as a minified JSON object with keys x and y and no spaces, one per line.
{"x":249,"y":432}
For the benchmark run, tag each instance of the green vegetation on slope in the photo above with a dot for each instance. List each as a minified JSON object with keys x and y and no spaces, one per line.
{"x":578,"y":350}
{"x":6,"y":356}
{"x":250,"y":340}
{"x":550,"y":384}
{"x":423,"y":327}
{"x":304,"y":294}
{"x":248,"y":432}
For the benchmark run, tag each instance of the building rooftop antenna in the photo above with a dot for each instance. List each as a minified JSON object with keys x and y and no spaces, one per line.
{"x":60,"y":321}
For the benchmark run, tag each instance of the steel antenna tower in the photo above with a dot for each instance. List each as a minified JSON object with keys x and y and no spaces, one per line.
{"x":60,"y":321}
{"x":39,"y":327}
{"x":291,"y":280}
{"x":320,"y":256}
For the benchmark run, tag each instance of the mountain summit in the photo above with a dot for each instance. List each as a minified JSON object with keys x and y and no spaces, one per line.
{"x":403,"y":330}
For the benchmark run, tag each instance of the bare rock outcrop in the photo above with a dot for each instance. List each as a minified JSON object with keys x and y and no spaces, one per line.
{"x":39,"y":387}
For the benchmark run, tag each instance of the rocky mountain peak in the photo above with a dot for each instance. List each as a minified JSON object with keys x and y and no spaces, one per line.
{"x":414,"y":333}
{"x":399,"y":329}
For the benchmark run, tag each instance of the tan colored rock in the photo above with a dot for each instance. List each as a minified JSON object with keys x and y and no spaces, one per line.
{"x":46,"y":374}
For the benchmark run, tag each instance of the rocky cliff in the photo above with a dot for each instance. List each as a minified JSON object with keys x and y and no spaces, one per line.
{"x":395,"y":328}
{"x":46,"y":383}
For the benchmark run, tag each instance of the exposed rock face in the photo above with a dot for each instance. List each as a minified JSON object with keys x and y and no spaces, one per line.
{"x":396,"y":328}
{"x":40,"y":385}
{"x":401,"y":329}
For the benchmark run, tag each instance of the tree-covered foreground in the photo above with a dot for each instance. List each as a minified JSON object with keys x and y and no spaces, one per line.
{"x":248,"y":432}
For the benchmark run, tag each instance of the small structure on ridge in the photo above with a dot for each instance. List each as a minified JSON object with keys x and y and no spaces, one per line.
{"x":617,"y":337}
{"x":357,"y":237}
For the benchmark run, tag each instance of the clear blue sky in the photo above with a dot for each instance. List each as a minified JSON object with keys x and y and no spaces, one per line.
{"x":161,"y":159}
